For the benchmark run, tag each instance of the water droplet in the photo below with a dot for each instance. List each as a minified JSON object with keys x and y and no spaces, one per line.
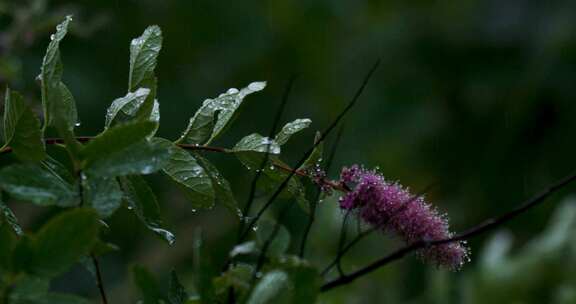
{"x":77,"y":124}
{"x":194,"y":210}
{"x":52,"y":37}
{"x":257,"y":86}
{"x":255,"y":228}
{"x":130,"y":207}
{"x":232,"y":91}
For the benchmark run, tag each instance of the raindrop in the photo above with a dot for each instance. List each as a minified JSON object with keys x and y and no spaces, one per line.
{"x":255,"y":228}
{"x":257,"y":86}
{"x":52,"y":37}
{"x":77,"y":124}
{"x":194,"y":210}
{"x":232,"y":91}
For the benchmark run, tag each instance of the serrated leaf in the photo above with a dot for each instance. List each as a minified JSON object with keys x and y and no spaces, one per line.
{"x":22,"y":129}
{"x":103,"y":194}
{"x":228,"y":103}
{"x":281,"y":241}
{"x":123,"y":150}
{"x":201,"y":125}
{"x":290,"y":129}
{"x":58,"y":104}
{"x":8,"y":217}
{"x":148,"y":286}
{"x":184,"y":169}
{"x":125,"y":108}
{"x":316,"y":155}
{"x":57,"y":169}
{"x":143,"y":201}
{"x":176,"y":292}
{"x":257,"y":143}
{"x":221,"y":187}
{"x":62,"y":241}
{"x":31,"y":182}
{"x":272,"y":288}
{"x":144,"y":52}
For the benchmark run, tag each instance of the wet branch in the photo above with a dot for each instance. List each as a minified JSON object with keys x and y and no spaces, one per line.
{"x":474,"y":231}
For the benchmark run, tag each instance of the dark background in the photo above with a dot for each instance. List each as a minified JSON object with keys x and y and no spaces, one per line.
{"x":477,"y":97}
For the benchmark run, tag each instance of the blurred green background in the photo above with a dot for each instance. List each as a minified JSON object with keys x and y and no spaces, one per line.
{"x":477,"y":97}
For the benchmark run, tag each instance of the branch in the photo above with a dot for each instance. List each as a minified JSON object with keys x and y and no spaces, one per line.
{"x":311,"y":149}
{"x":361,"y":235}
{"x":314,"y":203}
{"x":487,"y":225}
{"x":260,"y":170}
{"x":99,"y":281}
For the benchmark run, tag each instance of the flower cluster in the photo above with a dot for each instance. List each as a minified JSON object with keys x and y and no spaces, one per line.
{"x":392,"y":208}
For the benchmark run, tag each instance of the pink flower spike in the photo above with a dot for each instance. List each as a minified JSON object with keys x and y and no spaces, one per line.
{"x":392,"y":208}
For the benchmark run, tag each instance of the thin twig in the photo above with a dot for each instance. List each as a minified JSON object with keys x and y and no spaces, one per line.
{"x":314,"y":203}
{"x":487,"y":225}
{"x":260,"y":170}
{"x":342,"y":250}
{"x":311,"y":149}
{"x":342,"y":240}
{"x":99,"y":281}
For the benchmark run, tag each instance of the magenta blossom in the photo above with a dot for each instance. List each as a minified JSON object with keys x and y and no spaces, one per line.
{"x":392,"y":208}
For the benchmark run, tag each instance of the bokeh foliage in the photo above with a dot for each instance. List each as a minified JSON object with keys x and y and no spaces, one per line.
{"x":476,"y":96}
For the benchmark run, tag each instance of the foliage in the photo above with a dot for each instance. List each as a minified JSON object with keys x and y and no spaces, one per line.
{"x":105,"y":173}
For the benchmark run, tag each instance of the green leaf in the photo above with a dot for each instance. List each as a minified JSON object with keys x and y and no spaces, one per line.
{"x":7,"y":246}
{"x":221,"y":186}
{"x":144,"y":52}
{"x":32,"y":182}
{"x":23,"y":255}
{"x":257,"y":143}
{"x":7,"y":216}
{"x":201,"y":125}
{"x":62,"y":241}
{"x":305,"y":279}
{"x":22,"y":129}
{"x":204,"y":269}
{"x":228,"y":103}
{"x":272,"y":288}
{"x":316,"y":155}
{"x":58,"y":104}
{"x":123,"y":150}
{"x":176,"y":292}
{"x":184,"y":169}
{"x":281,"y":241}
{"x":143,"y":201}
{"x":239,"y":277}
{"x":273,"y":177}
{"x":32,"y":290}
{"x":57,"y":169}
{"x":126,"y":108}
{"x":245,"y":248}
{"x":290,"y":129}
{"x":148,"y":286}
{"x":103,"y":194}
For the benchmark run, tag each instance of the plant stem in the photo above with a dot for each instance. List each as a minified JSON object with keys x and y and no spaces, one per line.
{"x":474,"y":231}
{"x":99,"y":281}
